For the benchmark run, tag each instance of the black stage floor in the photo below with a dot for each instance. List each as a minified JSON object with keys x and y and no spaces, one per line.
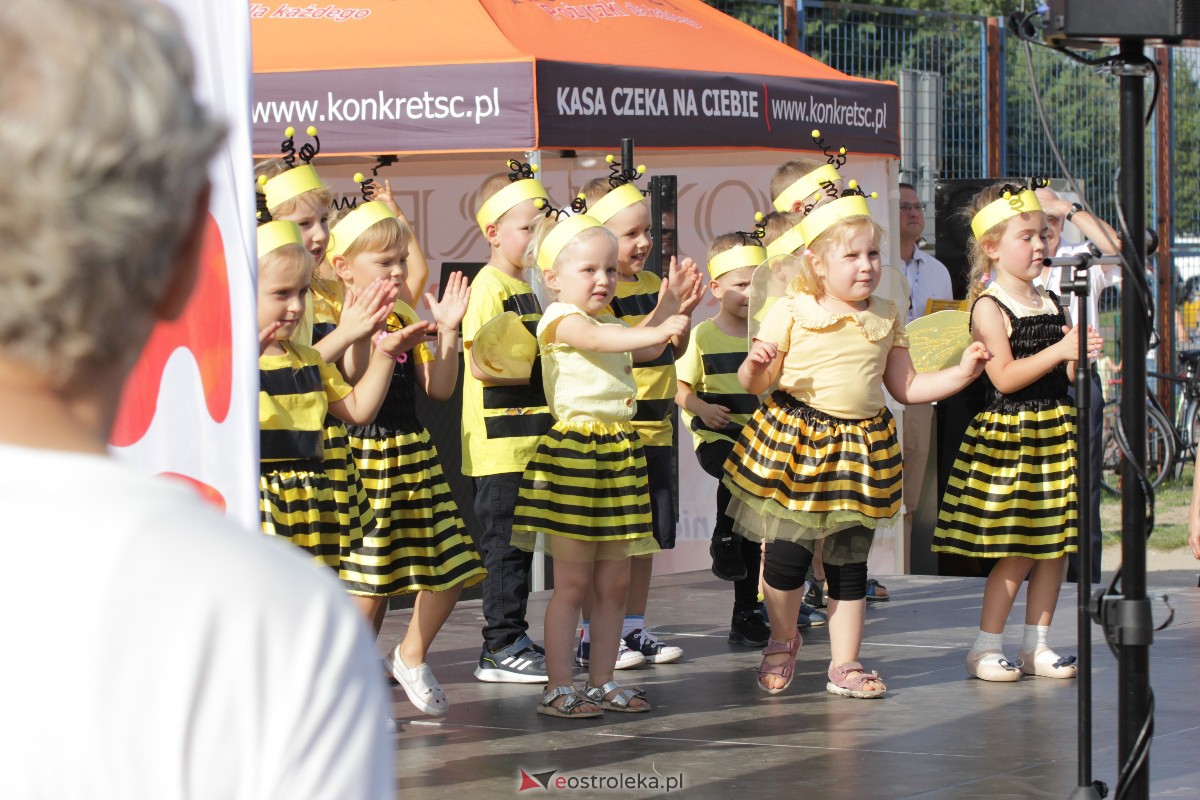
{"x":937,"y":734}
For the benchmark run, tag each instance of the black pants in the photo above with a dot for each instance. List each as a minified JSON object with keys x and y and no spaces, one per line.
{"x":506,"y":587}
{"x":712,"y":456}
{"x":1095,"y":433}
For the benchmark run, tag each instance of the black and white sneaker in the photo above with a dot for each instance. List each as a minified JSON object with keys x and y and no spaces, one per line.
{"x":520,"y":662}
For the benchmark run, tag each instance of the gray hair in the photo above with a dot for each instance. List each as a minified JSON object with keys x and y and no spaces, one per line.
{"x":103,"y":154}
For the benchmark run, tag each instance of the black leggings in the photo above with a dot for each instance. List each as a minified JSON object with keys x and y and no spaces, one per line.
{"x":787,"y":567}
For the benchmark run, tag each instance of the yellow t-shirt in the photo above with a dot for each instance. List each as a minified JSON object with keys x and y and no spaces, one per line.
{"x":832,"y":361}
{"x":585,"y":385}
{"x":501,"y":425}
{"x":710,"y":365}
{"x":295,"y":390}
{"x":655,"y":379}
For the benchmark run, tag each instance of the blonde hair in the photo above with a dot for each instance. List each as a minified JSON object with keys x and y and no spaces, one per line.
{"x":977,"y":259}
{"x":541,"y":229}
{"x":595,"y":189}
{"x":789,"y":172}
{"x":104,"y":152}
{"x":384,"y":235}
{"x":838,"y":234}
{"x":277,"y":166}
{"x":285,"y":256}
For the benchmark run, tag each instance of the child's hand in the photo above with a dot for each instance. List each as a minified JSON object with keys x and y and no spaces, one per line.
{"x":384,"y":195}
{"x":365,"y":311}
{"x":678,"y":284}
{"x":674,"y":325}
{"x":266,"y":336}
{"x":689,"y":303}
{"x":974,"y":358}
{"x":1095,"y":342}
{"x":405,"y":339}
{"x":714,"y":416}
{"x":761,"y":355}
{"x":1069,"y":344}
{"x":453,"y":307}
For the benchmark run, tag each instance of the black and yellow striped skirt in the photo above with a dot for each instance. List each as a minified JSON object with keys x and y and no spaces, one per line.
{"x":419,"y":541}
{"x":298,"y":502}
{"x":587,"y":482}
{"x":797,"y":473}
{"x":1012,"y":490}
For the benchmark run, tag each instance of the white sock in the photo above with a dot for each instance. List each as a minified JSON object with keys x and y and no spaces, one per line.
{"x":587,"y":633}
{"x":985,"y":641}
{"x":1034,"y":635}
{"x":631,"y":624}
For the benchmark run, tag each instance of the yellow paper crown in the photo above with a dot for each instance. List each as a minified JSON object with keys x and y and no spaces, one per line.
{"x":615,"y":202}
{"x":273,"y":235}
{"x":736,"y":257}
{"x":806,"y":186}
{"x":1006,"y":207}
{"x":507,"y":198}
{"x":561,"y":235}
{"x":823,"y":217}
{"x":293,"y":183}
{"x":354,"y":224}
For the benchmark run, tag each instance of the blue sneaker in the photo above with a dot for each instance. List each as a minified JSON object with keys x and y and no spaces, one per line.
{"x":520,"y":662}
{"x":808,"y":617}
{"x":626,"y":658}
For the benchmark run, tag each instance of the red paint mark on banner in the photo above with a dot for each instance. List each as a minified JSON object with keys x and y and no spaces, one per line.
{"x":204,"y":328}
{"x":208,"y":493}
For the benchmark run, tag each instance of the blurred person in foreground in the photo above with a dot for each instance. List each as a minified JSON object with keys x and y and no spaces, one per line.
{"x":155,"y":649}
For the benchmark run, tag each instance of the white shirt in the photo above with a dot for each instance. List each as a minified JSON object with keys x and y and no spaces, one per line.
{"x":928,"y":279}
{"x":1099,"y":279}
{"x":154,"y":650}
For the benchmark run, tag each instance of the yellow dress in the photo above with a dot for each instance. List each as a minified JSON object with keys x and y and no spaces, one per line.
{"x":587,"y":477}
{"x":820,"y":456}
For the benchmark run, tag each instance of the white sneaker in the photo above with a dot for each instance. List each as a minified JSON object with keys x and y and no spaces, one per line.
{"x":643,"y":642}
{"x":626,"y":658}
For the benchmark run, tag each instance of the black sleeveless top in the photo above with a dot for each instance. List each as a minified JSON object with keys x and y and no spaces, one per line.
{"x":1031,"y":335}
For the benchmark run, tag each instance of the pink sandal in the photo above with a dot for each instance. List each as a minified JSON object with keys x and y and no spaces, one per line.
{"x":848,"y":681}
{"x":784,"y":670}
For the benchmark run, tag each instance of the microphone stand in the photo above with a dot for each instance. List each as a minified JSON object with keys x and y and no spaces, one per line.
{"x":1080,"y":286}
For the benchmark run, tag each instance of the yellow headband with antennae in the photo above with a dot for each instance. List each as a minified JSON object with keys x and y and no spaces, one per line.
{"x":560,"y":236}
{"x":791,"y":241}
{"x":354,"y":224}
{"x":1006,"y":207}
{"x":822,"y":218}
{"x":508,"y":198}
{"x":615,"y":202}
{"x":273,"y":235}
{"x":293,"y":183}
{"x":806,"y":186}
{"x":736,"y":257}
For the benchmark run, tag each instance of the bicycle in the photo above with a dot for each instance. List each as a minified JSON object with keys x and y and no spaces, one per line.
{"x":1170,"y":445}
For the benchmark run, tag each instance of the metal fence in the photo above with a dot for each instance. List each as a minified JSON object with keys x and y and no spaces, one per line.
{"x":942,"y":64}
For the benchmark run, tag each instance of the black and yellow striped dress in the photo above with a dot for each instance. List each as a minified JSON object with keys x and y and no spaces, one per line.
{"x":1012,"y":490}
{"x":298,"y":498}
{"x":419,"y":541}
{"x":802,"y":473}
{"x":354,"y":509}
{"x":587,"y":478}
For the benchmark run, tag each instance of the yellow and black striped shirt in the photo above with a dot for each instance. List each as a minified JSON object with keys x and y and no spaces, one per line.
{"x":295,"y":390}
{"x":655,"y":379}
{"x":501,"y":425}
{"x":710,"y":367}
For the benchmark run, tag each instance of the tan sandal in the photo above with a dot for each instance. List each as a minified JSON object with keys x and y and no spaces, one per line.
{"x":620,"y":699}
{"x":848,"y":681}
{"x":783,"y":670}
{"x":570,"y":708}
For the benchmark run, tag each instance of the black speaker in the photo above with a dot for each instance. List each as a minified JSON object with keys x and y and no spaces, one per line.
{"x":950,"y":200}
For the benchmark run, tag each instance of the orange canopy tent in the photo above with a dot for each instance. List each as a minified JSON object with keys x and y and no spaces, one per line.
{"x":398,"y":76}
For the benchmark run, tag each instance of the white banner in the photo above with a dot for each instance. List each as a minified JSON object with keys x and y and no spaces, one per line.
{"x":190,"y":409}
